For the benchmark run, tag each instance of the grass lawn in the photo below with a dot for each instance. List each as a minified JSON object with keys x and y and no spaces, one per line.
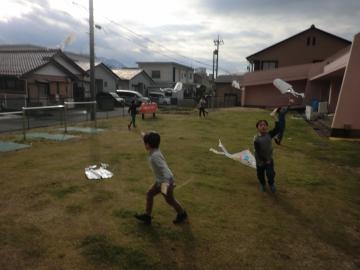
{"x":52,"y":217}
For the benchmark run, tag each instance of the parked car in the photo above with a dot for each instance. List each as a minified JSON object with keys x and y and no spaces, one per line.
{"x":109,"y":100}
{"x":160,"y":98}
{"x":129,"y":95}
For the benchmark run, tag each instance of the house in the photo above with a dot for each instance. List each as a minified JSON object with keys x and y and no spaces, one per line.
{"x":333,"y":82}
{"x":336,"y":83}
{"x":167,"y":74}
{"x":292,"y":60}
{"x":134,"y":79}
{"x":225,"y":93}
{"x":105,"y":79}
{"x":37,"y":76}
{"x":310,"y":46}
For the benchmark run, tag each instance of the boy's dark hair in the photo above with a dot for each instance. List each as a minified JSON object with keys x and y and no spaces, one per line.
{"x":152,"y":139}
{"x":262,"y":121}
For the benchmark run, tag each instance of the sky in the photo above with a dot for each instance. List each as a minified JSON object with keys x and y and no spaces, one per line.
{"x":180,"y":31}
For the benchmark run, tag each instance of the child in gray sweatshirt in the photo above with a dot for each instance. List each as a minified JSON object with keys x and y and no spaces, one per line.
{"x":164,"y":181}
{"x":263,"y":155}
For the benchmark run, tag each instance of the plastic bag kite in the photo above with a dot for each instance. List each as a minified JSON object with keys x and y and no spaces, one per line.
{"x":93,"y":172}
{"x":245,"y":157}
{"x":285,"y":88}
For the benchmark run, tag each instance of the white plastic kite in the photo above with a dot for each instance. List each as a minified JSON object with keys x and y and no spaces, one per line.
{"x":178,"y":87}
{"x":285,"y":88}
{"x":93,"y":172}
{"x":235,"y":84}
{"x":245,"y":157}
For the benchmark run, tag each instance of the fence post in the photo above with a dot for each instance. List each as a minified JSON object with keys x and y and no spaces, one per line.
{"x":24,"y":116}
{"x":95,"y":110}
{"x":65,"y":117}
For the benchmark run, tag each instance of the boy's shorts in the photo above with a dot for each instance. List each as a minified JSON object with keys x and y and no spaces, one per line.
{"x":165,"y":188}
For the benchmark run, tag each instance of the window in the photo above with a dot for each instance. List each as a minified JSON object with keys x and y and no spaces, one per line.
{"x":11,"y":84}
{"x":313,"y":41}
{"x":105,"y":84}
{"x":155,"y":74}
{"x":43,"y":90}
{"x":190,"y":76}
{"x":266,"y":65}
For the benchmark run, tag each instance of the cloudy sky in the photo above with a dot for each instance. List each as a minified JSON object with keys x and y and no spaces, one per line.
{"x":169,"y":30}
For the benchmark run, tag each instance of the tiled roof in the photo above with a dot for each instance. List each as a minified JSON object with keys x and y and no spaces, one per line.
{"x":127,"y":73}
{"x":17,"y":63}
{"x":21,"y":47}
{"x":85,"y":65}
{"x":164,"y":63}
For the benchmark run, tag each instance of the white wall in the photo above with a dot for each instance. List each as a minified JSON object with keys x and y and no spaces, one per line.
{"x":106,"y":76}
{"x":50,"y":70}
{"x":141,"y":78}
{"x":182,"y":74}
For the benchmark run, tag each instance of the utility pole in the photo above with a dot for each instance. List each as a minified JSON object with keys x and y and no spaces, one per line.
{"x":213,"y":70}
{"x":217,"y":43}
{"x":92,"y":58}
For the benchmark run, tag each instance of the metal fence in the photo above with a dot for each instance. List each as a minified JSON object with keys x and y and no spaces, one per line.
{"x":221,"y":102}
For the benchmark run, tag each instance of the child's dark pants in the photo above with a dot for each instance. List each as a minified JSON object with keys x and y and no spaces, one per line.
{"x":268,"y":169}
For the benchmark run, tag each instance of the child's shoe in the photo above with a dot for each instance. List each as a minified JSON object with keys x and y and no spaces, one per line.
{"x":129,"y":127}
{"x":273,"y":188}
{"x":180,"y":218}
{"x":262,"y":188}
{"x":144,"y":218}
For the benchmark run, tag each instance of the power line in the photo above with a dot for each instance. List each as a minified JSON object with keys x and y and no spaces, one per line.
{"x":141,"y":37}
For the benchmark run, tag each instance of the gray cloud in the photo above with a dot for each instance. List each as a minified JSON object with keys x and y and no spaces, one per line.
{"x":35,"y":28}
{"x":281,"y":7}
{"x":48,"y":27}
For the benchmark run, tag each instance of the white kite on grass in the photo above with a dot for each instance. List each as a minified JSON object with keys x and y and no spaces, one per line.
{"x":245,"y":157}
{"x":94,"y":172}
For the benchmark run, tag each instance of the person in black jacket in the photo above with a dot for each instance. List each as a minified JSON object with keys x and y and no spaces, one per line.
{"x":264,"y":155}
{"x":132,"y":111}
{"x":279,"y":115}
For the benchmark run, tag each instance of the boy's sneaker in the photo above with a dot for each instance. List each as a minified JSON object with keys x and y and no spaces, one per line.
{"x":180,"y":218}
{"x":129,"y":127}
{"x":277,"y":141}
{"x":144,"y":218}
{"x":262,"y":188}
{"x":273,"y":188}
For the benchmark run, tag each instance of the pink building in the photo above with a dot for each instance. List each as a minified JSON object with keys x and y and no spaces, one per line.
{"x":334,"y":81}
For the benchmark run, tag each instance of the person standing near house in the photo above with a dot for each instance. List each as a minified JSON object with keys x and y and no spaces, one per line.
{"x":279,"y":114}
{"x":201,"y":106}
{"x":132,"y":111}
